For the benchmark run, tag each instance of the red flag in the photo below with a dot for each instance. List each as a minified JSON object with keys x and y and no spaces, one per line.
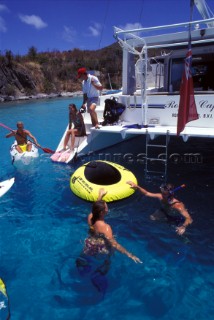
{"x":187,"y":110}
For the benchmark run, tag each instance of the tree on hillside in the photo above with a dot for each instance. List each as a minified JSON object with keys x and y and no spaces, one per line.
{"x":32,"y":53}
{"x":9,"y":58}
{"x":56,"y":71}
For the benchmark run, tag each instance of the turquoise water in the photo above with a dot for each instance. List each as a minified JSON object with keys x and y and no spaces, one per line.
{"x":43,"y":226}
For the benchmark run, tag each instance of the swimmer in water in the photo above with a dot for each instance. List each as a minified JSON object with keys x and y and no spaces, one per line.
{"x":99,"y":246}
{"x":171,"y":208}
{"x":98,"y":226}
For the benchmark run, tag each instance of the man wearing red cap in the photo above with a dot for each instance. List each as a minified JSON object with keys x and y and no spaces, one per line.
{"x":90,"y":87}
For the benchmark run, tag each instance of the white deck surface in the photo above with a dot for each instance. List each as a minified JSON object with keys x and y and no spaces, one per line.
{"x":159,"y":130}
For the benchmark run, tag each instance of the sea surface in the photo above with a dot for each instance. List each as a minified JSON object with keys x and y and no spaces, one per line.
{"x":43,"y":226}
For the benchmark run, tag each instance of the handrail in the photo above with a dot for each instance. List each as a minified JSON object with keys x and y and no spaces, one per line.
{"x":183,"y":24}
{"x":177,"y":44}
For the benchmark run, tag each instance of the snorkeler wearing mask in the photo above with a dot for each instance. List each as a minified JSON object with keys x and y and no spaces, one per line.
{"x":171,"y":209}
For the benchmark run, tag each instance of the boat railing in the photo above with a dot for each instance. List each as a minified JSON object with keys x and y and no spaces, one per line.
{"x":118,"y":31}
{"x":132,"y":39}
{"x":137,"y":42}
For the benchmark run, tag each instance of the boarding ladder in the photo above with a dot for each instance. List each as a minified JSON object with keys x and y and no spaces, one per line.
{"x":156,"y":158}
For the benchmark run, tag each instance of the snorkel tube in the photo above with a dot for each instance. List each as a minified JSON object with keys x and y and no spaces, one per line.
{"x":171,"y":192}
{"x":178,"y":188}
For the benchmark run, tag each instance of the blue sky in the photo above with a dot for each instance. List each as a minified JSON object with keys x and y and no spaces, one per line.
{"x":66,"y":24}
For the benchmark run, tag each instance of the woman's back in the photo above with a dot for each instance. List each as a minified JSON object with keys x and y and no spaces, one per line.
{"x":96,"y":244}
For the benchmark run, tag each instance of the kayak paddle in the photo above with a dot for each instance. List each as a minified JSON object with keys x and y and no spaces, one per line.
{"x":46,"y":150}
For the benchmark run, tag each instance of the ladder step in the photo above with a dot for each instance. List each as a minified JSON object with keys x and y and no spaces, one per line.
{"x":159,"y":172}
{"x":156,"y":145}
{"x":156,"y":159}
{"x":152,"y":156}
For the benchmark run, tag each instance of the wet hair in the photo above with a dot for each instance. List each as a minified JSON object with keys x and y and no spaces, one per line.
{"x":97,"y":208}
{"x":168,"y":187}
{"x":72,"y":105}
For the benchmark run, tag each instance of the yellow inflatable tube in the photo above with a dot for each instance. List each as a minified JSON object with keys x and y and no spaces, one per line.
{"x":90,"y":177}
{"x":2,"y":287}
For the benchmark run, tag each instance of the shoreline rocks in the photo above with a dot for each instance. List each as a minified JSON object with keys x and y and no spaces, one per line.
{"x":40,"y":96}
{"x":62,"y":94}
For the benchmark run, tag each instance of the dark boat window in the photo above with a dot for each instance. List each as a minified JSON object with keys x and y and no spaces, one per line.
{"x":176,"y":74}
{"x":202,"y":72}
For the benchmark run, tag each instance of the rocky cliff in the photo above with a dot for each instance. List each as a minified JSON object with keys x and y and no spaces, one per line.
{"x":16,"y":80}
{"x":55,"y":72}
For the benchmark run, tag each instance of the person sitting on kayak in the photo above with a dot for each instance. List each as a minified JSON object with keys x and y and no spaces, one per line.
{"x":21,"y":136}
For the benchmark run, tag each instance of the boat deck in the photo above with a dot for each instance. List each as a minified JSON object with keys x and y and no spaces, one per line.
{"x":154,"y":131}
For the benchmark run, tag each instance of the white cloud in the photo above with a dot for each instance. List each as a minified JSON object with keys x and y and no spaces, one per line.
{"x":2,"y":25}
{"x":69,"y":34}
{"x":3,"y":8}
{"x":95,"y":29}
{"x":2,"y":22}
{"x":130,"y":26}
{"x":33,"y":20}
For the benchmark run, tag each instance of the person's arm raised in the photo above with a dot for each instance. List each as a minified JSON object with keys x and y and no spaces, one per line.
{"x":144,"y":191}
{"x":102,"y":193}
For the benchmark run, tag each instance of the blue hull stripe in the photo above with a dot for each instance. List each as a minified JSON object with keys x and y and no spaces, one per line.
{"x":151,"y":106}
